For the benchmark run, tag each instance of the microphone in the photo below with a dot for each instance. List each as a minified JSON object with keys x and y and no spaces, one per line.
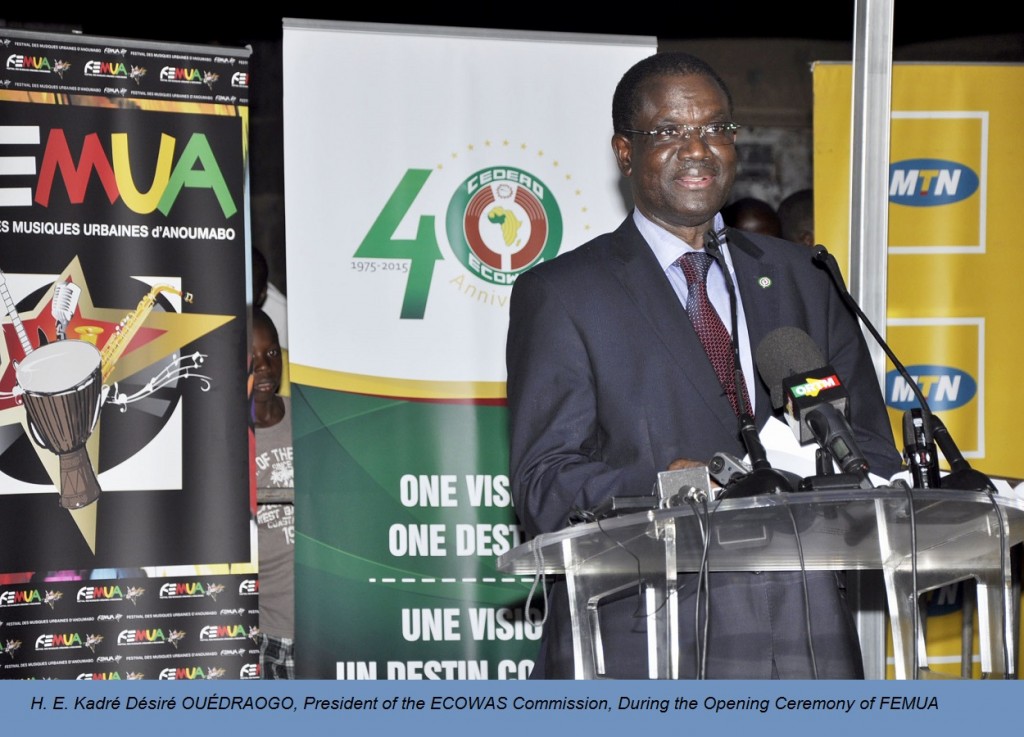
{"x":961,"y":475}
{"x":814,"y":400}
{"x":919,"y":450}
{"x":832,"y":431}
{"x":763,"y":479}
{"x":798,"y":378}
{"x":63,"y":304}
{"x":726,"y":468}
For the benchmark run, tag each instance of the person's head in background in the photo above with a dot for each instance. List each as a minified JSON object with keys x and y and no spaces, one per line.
{"x":267,"y":368}
{"x":260,"y":274}
{"x":796,"y":213}
{"x":754,"y":215}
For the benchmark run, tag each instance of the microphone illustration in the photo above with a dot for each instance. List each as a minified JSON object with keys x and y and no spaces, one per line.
{"x":63,"y":304}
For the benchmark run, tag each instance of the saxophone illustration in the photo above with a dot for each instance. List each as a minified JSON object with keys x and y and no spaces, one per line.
{"x":130,"y":324}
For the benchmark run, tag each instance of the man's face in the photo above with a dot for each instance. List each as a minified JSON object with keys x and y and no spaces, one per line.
{"x":680,"y":184}
{"x":266,"y":362}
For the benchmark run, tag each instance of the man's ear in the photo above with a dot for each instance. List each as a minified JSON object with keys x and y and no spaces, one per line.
{"x":623,"y":149}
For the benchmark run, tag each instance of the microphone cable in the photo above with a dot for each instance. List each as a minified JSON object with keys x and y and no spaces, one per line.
{"x":713,"y":245}
{"x":916,"y":620}
{"x":638,"y":612}
{"x":703,"y":517}
{"x":806,"y":592}
{"x":588,"y":516}
{"x":539,"y":577}
{"x":828,"y":262}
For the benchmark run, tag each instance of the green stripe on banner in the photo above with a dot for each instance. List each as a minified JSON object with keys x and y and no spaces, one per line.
{"x":402,"y":510}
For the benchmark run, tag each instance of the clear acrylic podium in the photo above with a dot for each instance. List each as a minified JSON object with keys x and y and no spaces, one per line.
{"x":959,"y":535}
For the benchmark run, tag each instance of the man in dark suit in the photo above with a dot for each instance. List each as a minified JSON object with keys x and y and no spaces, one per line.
{"x":610,"y":383}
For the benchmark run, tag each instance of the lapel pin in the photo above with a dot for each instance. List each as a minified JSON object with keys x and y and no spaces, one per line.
{"x":764,"y":282}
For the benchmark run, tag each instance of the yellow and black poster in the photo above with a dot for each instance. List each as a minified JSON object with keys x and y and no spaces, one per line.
{"x":954,"y":261}
{"x":124,"y":467}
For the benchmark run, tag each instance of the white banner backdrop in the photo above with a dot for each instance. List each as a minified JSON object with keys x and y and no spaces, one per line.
{"x":366,"y":106}
{"x":424,"y":170}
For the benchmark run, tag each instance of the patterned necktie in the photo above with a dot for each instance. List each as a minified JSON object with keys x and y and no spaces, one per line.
{"x":709,"y":327}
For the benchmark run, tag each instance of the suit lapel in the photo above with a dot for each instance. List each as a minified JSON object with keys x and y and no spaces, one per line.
{"x":641,"y":276}
{"x":755,"y":282}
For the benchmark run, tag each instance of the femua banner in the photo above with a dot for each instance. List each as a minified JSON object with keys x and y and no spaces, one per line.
{"x":425,"y":169}
{"x":124,"y":447}
{"x":954,"y":262}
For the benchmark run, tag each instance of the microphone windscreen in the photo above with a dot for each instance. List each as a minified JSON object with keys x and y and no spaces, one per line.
{"x":785,"y":352}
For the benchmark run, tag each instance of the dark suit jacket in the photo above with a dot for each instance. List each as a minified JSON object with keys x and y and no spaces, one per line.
{"x":608,"y":384}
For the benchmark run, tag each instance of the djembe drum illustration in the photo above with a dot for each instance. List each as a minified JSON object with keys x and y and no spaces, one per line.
{"x":61,"y":383}
{"x":62,"y":387}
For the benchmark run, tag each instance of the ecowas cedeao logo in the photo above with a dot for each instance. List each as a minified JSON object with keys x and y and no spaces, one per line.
{"x":500,"y":221}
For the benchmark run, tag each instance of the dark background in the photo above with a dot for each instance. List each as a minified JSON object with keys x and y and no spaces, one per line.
{"x":239,"y":25}
{"x":762,"y":51}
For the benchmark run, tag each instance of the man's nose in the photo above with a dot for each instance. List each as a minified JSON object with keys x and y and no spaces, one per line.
{"x":693,"y":147}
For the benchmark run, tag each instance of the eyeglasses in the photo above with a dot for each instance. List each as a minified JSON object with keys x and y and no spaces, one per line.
{"x":713,"y":134}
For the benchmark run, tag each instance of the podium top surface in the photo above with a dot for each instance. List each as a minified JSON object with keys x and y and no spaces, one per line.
{"x":844,"y":529}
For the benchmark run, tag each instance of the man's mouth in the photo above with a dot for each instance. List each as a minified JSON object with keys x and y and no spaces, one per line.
{"x":696,"y":177}
{"x":699,"y":180}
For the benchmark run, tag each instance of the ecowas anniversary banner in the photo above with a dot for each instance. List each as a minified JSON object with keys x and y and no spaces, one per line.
{"x":955,"y":260}
{"x":123,"y":441}
{"x":424,"y":170}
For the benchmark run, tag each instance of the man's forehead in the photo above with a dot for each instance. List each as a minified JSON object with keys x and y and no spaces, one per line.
{"x":656,"y":89}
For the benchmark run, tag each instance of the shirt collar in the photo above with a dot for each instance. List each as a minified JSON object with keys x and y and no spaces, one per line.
{"x":668,"y":248}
